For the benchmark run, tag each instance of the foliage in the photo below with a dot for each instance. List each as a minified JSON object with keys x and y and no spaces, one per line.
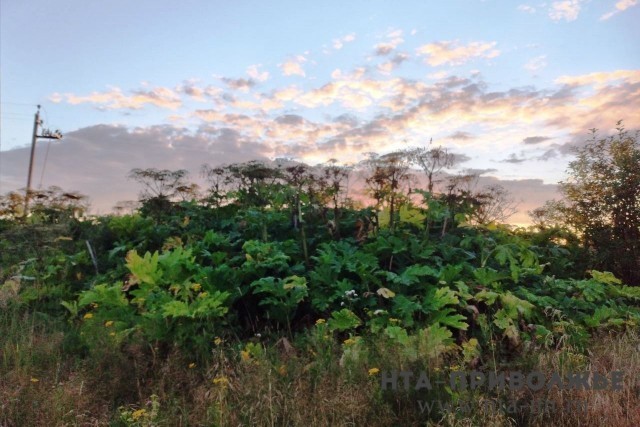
{"x":276,"y":256}
{"x":603,"y":200}
{"x":166,"y":298}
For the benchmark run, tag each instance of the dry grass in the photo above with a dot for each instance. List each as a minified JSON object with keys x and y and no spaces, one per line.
{"x":612,"y":408}
{"x":42,"y":385}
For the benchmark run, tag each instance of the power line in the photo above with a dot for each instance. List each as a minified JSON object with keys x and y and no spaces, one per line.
{"x":46,"y":134}
{"x":18,"y":103}
{"x":4,"y":113}
{"x":44,"y":165}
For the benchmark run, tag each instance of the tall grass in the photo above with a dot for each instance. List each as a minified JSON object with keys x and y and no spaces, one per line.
{"x":49,"y":378}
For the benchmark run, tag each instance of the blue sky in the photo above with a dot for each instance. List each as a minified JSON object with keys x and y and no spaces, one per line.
{"x":511,"y":85}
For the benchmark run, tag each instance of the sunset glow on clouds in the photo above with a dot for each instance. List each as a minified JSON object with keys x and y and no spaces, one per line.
{"x":236,"y":83}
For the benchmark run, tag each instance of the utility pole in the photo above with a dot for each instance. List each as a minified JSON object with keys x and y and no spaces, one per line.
{"x":46,"y":134}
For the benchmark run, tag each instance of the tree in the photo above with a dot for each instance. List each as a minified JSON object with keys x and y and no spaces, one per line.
{"x":551,"y":215}
{"x":493,"y":204}
{"x":602,"y":201}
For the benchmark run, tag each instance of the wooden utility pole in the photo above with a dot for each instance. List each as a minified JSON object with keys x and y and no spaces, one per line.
{"x":46,"y":134}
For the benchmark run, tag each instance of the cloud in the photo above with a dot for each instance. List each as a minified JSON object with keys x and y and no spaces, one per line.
{"x":290,"y":119}
{"x":514,"y":159}
{"x":566,"y":9}
{"x":438,"y":75}
{"x":600,"y":79}
{"x":393,"y":40}
{"x":551,"y":153}
{"x":388,"y":66}
{"x":239,"y":84}
{"x":254,"y":72}
{"x":339,"y":43}
{"x":461,"y":136}
{"x":526,"y":8}
{"x":453,"y":53}
{"x":530,"y":140}
{"x":621,"y":6}
{"x":473,"y":171}
{"x":537,"y":63}
{"x":382,"y":49}
{"x":115,"y":99}
{"x":459,"y":158}
{"x":376,"y":111}
{"x":191,"y":89}
{"x":293,"y":66}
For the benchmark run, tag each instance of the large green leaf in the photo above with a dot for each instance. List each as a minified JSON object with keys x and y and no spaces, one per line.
{"x":145,"y":270}
{"x":344,"y":320}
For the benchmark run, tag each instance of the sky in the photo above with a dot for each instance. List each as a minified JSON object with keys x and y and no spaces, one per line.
{"x":509,"y":86}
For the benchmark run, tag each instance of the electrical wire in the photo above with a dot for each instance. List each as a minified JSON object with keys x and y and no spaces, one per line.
{"x":44,"y":165}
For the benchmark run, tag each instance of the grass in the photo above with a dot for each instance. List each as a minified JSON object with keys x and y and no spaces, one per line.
{"x":48,"y":377}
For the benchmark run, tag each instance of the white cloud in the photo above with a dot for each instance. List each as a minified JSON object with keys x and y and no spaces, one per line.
{"x":114,"y":99}
{"x":56,"y":98}
{"x":526,"y":8}
{"x":293,"y":66}
{"x":254,"y":72}
{"x":600,"y":80}
{"x":453,"y":53}
{"x":394,"y":39}
{"x":386,"y":67}
{"x":438,"y":75}
{"x":537,"y":63}
{"x":622,"y":5}
{"x":566,"y":9}
{"x":339,"y":43}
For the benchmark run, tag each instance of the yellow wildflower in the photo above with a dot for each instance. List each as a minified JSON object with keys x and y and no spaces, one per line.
{"x":88,"y":316}
{"x":373,"y":371}
{"x":245,"y":355}
{"x":138,"y":414}
{"x":192,"y":365}
{"x":320,"y":321}
{"x":394,"y":320}
{"x":455,"y":368}
{"x":196,"y":287}
{"x":220,"y":381}
{"x":217,"y":341}
{"x":108,"y":323}
{"x":349,"y":341}
{"x":203,"y":294}
{"x":34,"y":380}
